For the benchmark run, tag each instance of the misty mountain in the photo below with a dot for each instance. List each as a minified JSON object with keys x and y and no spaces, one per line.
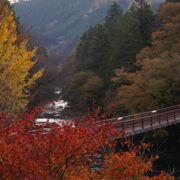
{"x":61,"y":22}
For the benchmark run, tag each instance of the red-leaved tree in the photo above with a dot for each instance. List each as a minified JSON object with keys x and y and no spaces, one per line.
{"x":28,"y":152}
{"x":65,"y":152}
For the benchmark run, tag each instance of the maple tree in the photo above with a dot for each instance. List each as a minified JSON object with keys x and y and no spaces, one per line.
{"x":130,"y":165}
{"x":40,"y":154}
{"x":65,"y":151}
{"x":15,"y":64}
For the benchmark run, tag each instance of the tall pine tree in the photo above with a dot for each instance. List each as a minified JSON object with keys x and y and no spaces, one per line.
{"x":113,"y":14}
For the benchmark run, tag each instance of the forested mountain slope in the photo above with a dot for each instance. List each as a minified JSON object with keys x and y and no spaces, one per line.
{"x":125,"y":60}
{"x":61,"y":22}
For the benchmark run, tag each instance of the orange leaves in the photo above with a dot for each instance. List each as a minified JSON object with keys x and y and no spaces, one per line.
{"x":28,"y":152}
{"x":169,"y":11}
{"x":131,"y":165}
{"x":156,"y":83}
{"x":67,"y":152}
{"x":125,"y":166}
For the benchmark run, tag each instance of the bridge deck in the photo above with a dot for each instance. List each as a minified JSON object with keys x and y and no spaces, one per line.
{"x":147,"y":121}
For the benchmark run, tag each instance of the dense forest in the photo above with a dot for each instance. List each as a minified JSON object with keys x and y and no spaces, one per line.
{"x":132,"y":57}
{"x":128,"y":64}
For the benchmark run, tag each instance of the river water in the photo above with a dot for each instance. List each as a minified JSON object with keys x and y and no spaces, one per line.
{"x":53,"y":111}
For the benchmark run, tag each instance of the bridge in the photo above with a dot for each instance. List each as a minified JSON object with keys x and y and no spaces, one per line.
{"x":144,"y":122}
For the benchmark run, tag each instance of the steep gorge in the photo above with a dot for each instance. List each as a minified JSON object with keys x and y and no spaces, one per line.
{"x":62,"y":22}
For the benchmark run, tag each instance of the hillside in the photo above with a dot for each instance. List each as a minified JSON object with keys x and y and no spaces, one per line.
{"x":61,"y":22}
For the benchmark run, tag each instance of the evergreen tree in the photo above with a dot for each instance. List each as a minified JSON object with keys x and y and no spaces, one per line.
{"x":114,"y":45}
{"x":137,"y":29}
{"x":156,"y":84}
{"x":113,"y":14}
{"x":92,"y":51}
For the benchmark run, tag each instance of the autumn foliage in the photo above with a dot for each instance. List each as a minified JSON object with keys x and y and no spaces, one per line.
{"x":156,"y":82}
{"x":65,"y":151}
{"x":70,"y":150}
{"x":131,"y":165}
{"x":27,"y":152}
{"x":16,"y":62}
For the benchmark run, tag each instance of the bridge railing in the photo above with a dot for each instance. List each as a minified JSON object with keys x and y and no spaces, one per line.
{"x":149,"y":120}
{"x":144,"y":114}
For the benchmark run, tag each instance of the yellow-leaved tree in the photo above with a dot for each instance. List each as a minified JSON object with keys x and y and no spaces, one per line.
{"x":15,"y":64}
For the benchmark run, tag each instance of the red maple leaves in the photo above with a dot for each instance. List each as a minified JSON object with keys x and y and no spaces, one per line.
{"x":63,"y":152}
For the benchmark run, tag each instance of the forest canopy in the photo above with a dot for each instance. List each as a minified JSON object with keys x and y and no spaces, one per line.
{"x":135,"y":54}
{"x":112,"y":45}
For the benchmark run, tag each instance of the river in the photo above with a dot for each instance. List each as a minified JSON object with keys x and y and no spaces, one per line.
{"x":53,"y":111}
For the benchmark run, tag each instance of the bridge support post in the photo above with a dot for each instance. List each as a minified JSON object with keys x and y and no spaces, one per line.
{"x":151,"y":122}
{"x":174,"y":115}
{"x":133,"y":126}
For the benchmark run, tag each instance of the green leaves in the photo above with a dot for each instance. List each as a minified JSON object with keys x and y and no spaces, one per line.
{"x":156,"y":83}
{"x":83,"y":88}
{"x":110,"y":46}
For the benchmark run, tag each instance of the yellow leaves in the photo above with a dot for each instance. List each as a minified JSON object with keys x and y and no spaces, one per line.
{"x":36,"y":76}
{"x":15,"y":64}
